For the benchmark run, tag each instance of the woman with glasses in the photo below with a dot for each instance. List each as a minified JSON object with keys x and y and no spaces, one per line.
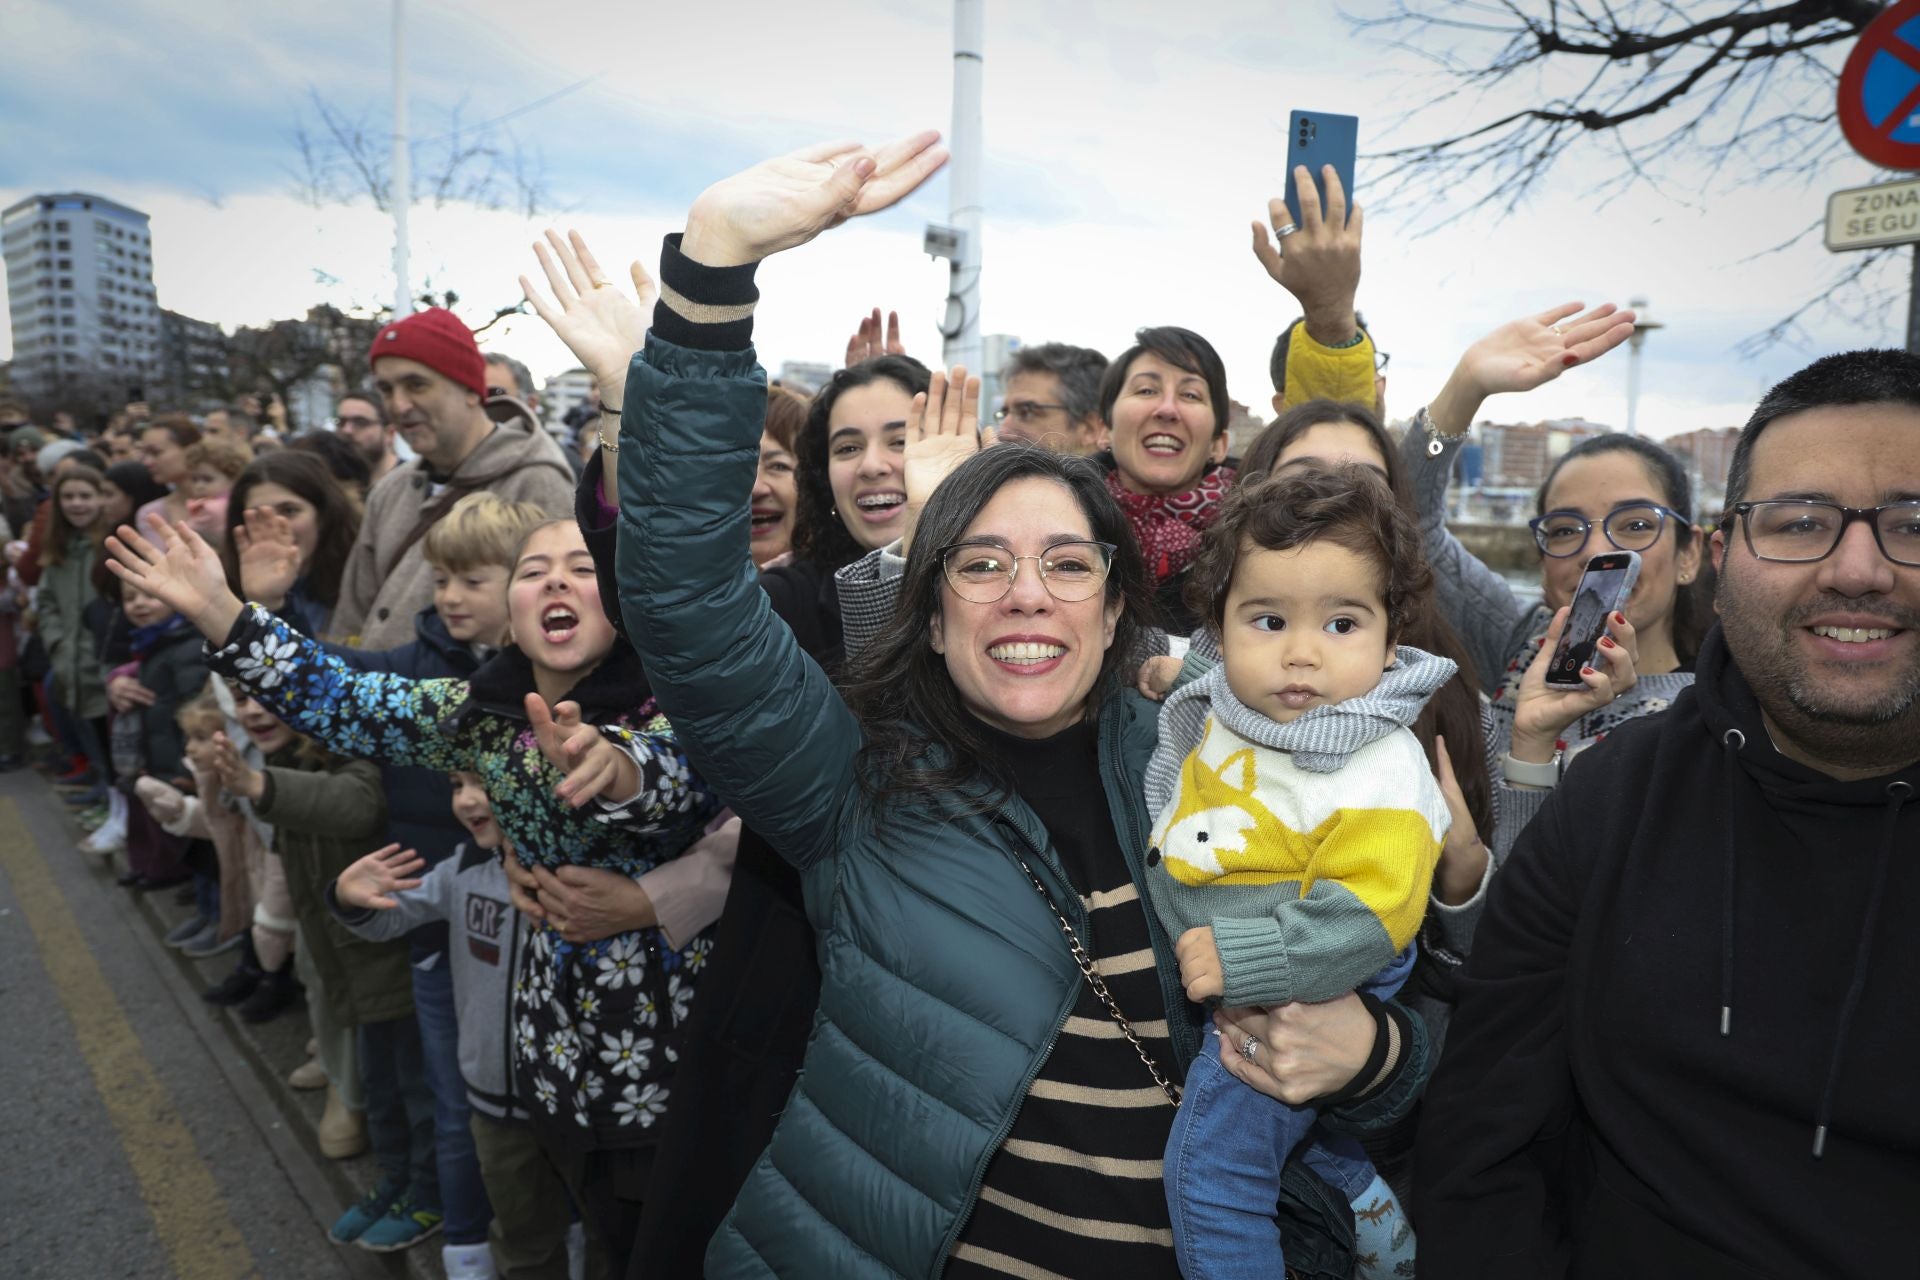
{"x":1610,"y":493}
{"x":990,"y":1076}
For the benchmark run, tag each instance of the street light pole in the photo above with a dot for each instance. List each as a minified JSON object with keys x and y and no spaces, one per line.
{"x":1642,"y":326}
{"x":401,"y":173}
{"x":961,"y":327}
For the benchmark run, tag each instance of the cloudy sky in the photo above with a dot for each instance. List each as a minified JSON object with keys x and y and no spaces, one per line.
{"x":1126,"y":153}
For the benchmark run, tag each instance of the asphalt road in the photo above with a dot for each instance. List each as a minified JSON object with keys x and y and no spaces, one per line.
{"x":142,"y":1134}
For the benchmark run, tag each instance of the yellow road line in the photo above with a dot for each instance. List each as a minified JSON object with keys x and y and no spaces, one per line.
{"x":188,"y":1210}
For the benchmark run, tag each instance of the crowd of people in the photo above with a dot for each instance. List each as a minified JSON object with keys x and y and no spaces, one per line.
{"x":838,"y":835}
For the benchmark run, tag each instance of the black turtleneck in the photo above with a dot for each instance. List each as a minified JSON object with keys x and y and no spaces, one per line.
{"x":1059,"y":779}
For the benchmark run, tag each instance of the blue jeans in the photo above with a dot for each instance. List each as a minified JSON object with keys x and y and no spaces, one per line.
{"x":463,"y":1195}
{"x":1224,"y":1156}
{"x":399,"y":1108}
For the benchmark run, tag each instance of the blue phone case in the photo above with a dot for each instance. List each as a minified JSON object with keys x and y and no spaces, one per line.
{"x":1316,"y":138}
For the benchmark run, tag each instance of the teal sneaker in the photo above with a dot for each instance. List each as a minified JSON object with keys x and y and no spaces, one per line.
{"x":404,"y":1227}
{"x":371,"y":1208}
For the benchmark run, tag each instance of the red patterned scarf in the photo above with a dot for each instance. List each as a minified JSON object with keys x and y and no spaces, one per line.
{"x":1169,"y":526}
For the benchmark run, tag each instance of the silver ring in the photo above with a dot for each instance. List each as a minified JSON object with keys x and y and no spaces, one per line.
{"x":1249,"y":1047}
{"x":1284,"y":232}
{"x":1559,"y":332}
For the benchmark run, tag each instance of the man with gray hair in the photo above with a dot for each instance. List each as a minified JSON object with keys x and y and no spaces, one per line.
{"x":508,"y":377}
{"x":1053,"y":399}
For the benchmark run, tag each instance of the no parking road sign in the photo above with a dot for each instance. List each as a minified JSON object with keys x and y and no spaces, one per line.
{"x":1880,"y":89}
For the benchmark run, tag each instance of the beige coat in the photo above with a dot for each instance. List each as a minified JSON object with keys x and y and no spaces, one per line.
{"x":387,"y":579}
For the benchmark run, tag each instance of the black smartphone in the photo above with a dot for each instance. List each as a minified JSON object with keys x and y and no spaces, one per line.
{"x":1314,"y":139}
{"x":1604,"y":587}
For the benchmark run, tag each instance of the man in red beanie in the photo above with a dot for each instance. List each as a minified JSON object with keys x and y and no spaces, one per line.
{"x":433,"y":379}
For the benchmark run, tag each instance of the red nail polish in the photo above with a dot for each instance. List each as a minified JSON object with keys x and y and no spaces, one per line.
{"x":1569,"y":359}
{"x":1620,"y":618}
{"x":1588,"y":671}
{"x":1608,"y":642}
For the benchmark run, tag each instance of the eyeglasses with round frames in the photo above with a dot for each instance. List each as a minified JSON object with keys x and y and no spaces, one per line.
{"x":1803,"y":532}
{"x":1634,"y":526}
{"x":983,"y":572}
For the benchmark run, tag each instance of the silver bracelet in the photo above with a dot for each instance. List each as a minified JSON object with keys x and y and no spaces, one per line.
{"x":1436,"y":443}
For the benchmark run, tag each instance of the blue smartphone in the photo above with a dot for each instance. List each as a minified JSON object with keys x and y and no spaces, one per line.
{"x":1316,"y":138}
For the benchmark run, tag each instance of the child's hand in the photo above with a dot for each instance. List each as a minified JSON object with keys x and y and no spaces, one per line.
{"x":269,"y":558}
{"x":522,"y":888}
{"x":235,"y":774}
{"x":1199,"y":964}
{"x":370,"y":883}
{"x":593,"y":765}
{"x":181,"y":570}
{"x":1157,"y":676}
{"x":125,"y":693}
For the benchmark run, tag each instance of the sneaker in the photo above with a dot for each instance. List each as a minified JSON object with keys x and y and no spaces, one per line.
{"x":308,"y":1075}
{"x":404,"y":1227}
{"x":467,"y":1262}
{"x":371,"y":1208}
{"x":189,"y":929}
{"x":210,"y":943}
{"x":80,"y":775}
{"x":110,"y":837}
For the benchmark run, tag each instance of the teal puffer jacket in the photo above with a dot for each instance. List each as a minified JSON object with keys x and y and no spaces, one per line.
{"x":945,"y":978}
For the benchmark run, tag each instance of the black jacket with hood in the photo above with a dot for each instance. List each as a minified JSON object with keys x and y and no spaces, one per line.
{"x":1686,"y":1037}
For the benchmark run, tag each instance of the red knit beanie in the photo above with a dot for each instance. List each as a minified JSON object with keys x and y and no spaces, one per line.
{"x":438,"y":339}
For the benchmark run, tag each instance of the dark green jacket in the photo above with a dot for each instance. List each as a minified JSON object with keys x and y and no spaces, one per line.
{"x":60,"y":606}
{"x":945,"y":978}
{"x":324,"y":820}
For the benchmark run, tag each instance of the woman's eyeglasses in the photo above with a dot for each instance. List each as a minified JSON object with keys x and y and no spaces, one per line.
{"x":983,"y":572}
{"x":1633,"y":527}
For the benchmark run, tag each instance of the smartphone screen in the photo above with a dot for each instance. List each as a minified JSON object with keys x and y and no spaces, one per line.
{"x":1603,"y":588}
{"x":1316,"y":138}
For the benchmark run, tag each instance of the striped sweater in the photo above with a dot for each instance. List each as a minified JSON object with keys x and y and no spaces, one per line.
{"x":1075,"y":1189}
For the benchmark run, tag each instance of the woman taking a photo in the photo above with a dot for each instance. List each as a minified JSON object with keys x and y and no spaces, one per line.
{"x":1608,"y":493}
{"x":967,"y":820}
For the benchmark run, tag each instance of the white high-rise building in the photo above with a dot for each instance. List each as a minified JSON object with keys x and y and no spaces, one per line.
{"x":80,"y":291}
{"x":564,"y":392}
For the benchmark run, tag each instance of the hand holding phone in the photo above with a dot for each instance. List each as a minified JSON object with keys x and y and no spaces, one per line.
{"x":1604,"y":587}
{"x":1317,"y":139}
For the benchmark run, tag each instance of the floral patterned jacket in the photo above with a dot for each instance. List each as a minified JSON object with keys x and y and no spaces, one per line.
{"x":595,"y":1025}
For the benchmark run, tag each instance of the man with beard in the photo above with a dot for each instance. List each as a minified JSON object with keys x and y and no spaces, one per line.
{"x":1684,"y":1040}
{"x":362,"y":419}
{"x":431,"y":375}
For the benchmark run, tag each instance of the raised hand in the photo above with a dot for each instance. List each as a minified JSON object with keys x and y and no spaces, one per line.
{"x":785,"y":202}
{"x":181,"y":569}
{"x":1318,"y":262}
{"x":235,"y":774}
{"x":868,"y":341}
{"x":269,"y":558}
{"x":600,"y":323}
{"x":1523,"y":354}
{"x":370,"y":883}
{"x":593,"y":765}
{"x":943,"y":431}
{"x":1542,"y":711}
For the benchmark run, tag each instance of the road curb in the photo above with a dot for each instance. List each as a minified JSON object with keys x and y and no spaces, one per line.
{"x":255,"y":1063}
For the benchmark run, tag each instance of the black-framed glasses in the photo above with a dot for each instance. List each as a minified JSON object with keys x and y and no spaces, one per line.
{"x":1380,"y":360}
{"x":983,"y":572}
{"x":1802,"y":532}
{"x":1026,"y":412}
{"x":1633,"y":526}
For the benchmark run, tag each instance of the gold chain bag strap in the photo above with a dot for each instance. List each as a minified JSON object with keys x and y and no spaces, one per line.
{"x":1099,"y":985}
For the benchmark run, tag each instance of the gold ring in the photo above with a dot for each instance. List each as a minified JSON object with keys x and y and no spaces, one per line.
{"x":603,"y":284}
